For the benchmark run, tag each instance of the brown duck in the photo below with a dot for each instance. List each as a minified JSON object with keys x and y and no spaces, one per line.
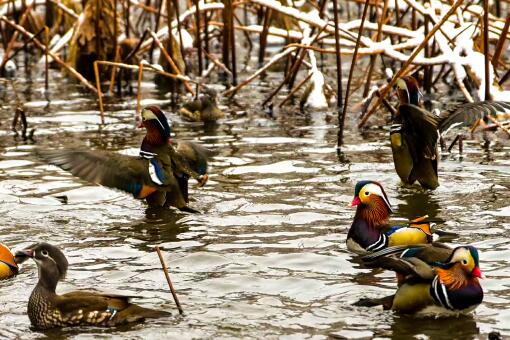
{"x":415,"y":132}
{"x":47,"y":309}
{"x":159,"y":174}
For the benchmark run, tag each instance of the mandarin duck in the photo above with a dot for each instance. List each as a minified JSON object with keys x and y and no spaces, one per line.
{"x":47,"y":309}
{"x":433,"y":279}
{"x":159,"y":174}
{"x":415,"y":132}
{"x":202,"y":109}
{"x":8,"y":265}
{"x":370,"y":231}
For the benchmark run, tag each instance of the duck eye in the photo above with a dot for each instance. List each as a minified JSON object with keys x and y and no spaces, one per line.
{"x":367,"y":193}
{"x":44,"y":252}
{"x":464,"y":262}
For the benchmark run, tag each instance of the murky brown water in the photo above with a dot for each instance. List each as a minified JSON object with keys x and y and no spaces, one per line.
{"x":267,"y":257}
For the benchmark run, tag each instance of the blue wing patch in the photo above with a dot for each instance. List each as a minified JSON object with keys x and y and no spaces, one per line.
{"x":156,"y":172}
{"x":133,"y":188}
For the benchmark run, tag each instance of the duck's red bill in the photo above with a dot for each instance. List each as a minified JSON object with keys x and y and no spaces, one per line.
{"x":356,"y":201}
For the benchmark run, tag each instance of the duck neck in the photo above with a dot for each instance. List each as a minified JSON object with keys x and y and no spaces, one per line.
{"x":375,"y":214}
{"x":455,"y":277}
{"x":48,"y":280}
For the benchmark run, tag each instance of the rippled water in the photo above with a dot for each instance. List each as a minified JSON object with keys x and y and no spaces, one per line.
{"x":267,"y":256}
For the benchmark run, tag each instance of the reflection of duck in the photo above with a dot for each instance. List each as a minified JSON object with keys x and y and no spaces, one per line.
{"x":416,"y":202}
{"x":159,"y":175}
{"x":47,"y":310}
{"x":406,"y":327}
{"x":433,"y":279}
{"x":8,"y":266}
{"x":370,"y":230}
{"x":415,"y":132}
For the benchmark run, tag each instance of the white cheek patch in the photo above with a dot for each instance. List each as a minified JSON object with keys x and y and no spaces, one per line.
{"x":374,"y":189}
{"x":460,"y":254}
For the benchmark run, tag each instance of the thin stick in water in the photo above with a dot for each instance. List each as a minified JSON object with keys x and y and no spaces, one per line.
{"x":169,"y":281}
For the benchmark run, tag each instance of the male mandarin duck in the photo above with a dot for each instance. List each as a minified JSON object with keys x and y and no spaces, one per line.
{"x":47,"y":309}
{"x":159,"y":174}
{"x":432,"y":279}
{"x":370,"y":230}
{"x":8,"y":266}
{"x":415,"y":132}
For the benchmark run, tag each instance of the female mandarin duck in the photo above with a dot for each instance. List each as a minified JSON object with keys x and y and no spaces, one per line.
{"x":415,"y":132}
{"x":47,"y":309}
{"x":8,"y":266}
{"x":433,"y":280}
{"x":370,"y":231}
{"x":159,"y":175}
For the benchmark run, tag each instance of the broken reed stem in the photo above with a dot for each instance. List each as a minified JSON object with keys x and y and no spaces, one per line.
{"x":168,"y":280}
{"x":217,"y":62}
{"x":197,"y":37}
{"x":261,"y":70}
{"x":156,"y":28}
{"x":294,"y":69}
{"x":98,"y":88}
{"x":404,"y":67}
{"x":341,"y":119}
{"x":263,"y":35}
{"x":498,"y":124}
{"x":295,"y":89}
{"x":46,"y":61}
{"x":177,"y":17}
{"x":232,"y":43}
{"x":114,"y":70}
{"x":378,"y":38}
{"x":338,"y":55}
{"x":486,"y":48}
{"x":139,"y":91}
{"x":55,"y":57}
{"x":501,"y":42}
{"x":170,"y":60}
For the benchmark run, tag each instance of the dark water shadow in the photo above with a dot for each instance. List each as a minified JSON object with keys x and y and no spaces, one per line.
{"x":409,"y":327}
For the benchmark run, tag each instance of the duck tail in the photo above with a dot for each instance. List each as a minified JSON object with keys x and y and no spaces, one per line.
{"x":386,"y":302}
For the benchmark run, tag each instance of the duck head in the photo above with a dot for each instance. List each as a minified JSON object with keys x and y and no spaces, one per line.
{"x":156,"y":124}
{"x":8,"y":266}
{"x":371,"y":203}
{"x":408,"y":90}
{"x":50,"y":260}
{"x":462,"y":268}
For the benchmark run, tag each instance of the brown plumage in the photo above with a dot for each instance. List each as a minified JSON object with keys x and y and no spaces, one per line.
{"x":47,"y":309}
{"x":160,"y":174}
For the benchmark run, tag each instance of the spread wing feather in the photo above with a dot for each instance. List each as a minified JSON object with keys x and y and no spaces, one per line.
{"x":110,"y":169}
{"x":468,"y":114}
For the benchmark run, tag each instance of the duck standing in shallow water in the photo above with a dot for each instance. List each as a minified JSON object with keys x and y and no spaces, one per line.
{"x":415,"y":132}
{"x":159,"y":175}
{"x":370,"y":230}
{"x":47,"y":309}
{"x":433,"y":280}
{"x":8,"y":266}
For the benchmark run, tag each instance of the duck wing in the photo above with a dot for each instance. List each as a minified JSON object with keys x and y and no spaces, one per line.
{"x":420,"y":131}
{"x":131,"y":174}
{"x":468,"y":113}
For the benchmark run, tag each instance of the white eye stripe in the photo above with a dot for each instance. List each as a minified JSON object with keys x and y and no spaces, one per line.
{"x":376,"y":190}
